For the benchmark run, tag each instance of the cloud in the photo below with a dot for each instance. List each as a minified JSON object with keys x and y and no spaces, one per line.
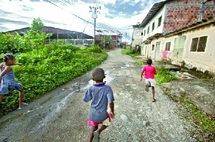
{"x":74,"y":14}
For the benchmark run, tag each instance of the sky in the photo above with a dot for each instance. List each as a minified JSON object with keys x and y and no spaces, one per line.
{"x":113,"y":16}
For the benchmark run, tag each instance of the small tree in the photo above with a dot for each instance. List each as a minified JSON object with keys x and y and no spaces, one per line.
{"x":35,"y":37}
{"x":107,"y":41}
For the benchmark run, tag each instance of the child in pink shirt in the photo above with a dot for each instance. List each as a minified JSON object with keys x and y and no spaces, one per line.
{"x":149,"y":72}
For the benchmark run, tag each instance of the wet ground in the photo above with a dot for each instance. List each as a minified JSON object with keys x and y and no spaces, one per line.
{"x":60,"y":116}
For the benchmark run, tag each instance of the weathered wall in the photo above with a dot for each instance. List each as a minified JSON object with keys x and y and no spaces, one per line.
{"x":201,"y":60}
{"x":136,"y":37}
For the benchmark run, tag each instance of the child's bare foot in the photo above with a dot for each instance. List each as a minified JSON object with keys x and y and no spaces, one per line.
{"x":23,"y":106}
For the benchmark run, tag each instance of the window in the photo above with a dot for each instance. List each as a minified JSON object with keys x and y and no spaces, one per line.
{"x":167,"y":48}
{"x":141,"y":33}
{"x":148,"y":30}
{"x":144,"y":32}
{"x":202,"y":44}
{"x":153,"y":26}
{"x":198,"y":44}
{"x":194,"y":44}
{"x":153,"y":47}
{"x":159,"y":21}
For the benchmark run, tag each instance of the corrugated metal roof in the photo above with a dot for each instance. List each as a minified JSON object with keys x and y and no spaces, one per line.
{"x":53,"y":30}
{"x":153,"y":11}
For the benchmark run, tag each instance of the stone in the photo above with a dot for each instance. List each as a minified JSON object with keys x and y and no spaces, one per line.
{"x":146,"y":123}
{"x":124,"y":118}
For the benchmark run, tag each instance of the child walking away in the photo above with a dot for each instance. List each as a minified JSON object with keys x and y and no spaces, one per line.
{"x":149,"y":72}
{"x":7,"y":80}
{"x":102,"y":98}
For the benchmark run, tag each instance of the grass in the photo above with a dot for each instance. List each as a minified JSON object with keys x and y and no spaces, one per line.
{"x":131,"y":52}
{"x":206,"y":122}
{"x":164,"y":75}
{"x":205,"y":132}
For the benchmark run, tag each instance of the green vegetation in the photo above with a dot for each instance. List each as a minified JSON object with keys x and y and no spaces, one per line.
{"x":141,"y":63}
{"x":205,"y":122}
{"x":131,"y":52}
{"x":51,"y":66}
{"x":164,"y":75}
{"x":200,"y":118}
{"x":46,"y":66}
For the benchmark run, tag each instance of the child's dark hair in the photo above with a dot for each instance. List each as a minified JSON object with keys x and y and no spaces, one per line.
{"x":8,"y":56}
{"x":98,"y":75}
{"x":149,"y":61}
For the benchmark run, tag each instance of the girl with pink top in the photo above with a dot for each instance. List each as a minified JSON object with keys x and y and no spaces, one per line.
{"x":149,"y":72}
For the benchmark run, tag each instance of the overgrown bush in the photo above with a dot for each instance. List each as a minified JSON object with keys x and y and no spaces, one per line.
{"x":34,"y":38}
{"x":49,"y":67}
{"x":130,"y":51}
{"x":164,"y":75}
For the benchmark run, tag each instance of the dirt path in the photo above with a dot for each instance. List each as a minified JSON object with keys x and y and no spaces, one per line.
{"x":61,"y":115}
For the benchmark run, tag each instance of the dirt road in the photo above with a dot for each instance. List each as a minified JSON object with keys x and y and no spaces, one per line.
{"x":61,"y":115}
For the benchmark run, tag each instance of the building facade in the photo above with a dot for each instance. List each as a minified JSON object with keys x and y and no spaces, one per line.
{"x":137,"y":36}
{"x":180,"y":31}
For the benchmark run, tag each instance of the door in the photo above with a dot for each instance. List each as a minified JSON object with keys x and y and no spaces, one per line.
{"x":157,"y":51}
{"x":179,"y":48}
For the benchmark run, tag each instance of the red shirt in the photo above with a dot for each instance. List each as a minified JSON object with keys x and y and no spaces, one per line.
{"x":149,"y":71}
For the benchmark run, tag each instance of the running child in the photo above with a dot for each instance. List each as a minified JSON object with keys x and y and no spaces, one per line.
{"x":102,"y":99}
{"x":149,"y":71}
{"x":7,"y":79}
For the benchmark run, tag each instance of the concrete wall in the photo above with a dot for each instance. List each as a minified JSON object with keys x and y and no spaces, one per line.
{"x":136,"y":37}
{"x":154,"y":20}
{"x":201,"y":60}
{"x":146,"y":49}
{"x":156,"y":49}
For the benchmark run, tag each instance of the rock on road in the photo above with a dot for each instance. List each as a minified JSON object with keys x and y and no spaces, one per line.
{"x":61,"y":115}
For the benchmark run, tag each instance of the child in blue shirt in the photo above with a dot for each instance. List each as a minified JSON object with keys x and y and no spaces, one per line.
{"x":102,"y":98}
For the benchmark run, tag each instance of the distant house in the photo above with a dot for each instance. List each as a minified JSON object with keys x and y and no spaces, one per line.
{"x":136,"y":36}
{"x":181,"y":31}
{"x":108,"y":39}
{"x":57,"y":33}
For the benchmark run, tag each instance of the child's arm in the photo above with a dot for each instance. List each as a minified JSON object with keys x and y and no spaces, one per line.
{"x":20,"y":64}
{"x":1,"y":66}
{"x":87,"y":96}
{"x":111,"y":102}
{"x":142,"y":72}
{"x":141,"y":76}
{"x":111,"y":106}
{"x":155,"y":71}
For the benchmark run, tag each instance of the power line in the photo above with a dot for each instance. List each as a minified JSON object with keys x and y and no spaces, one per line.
{"x":119,"y":29}
{"x":69,"y":12}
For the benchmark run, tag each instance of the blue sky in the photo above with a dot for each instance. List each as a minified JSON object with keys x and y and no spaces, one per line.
{"x":74,"y":14}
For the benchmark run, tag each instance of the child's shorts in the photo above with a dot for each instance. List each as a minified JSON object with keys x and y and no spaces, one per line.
{"x":105,"y":122}
{"x":6,"y":88}
{"x":152,"y":82}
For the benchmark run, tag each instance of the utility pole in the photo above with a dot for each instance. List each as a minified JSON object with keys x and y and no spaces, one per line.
{"x":125,"y":39}
{"x":94,"y":11}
